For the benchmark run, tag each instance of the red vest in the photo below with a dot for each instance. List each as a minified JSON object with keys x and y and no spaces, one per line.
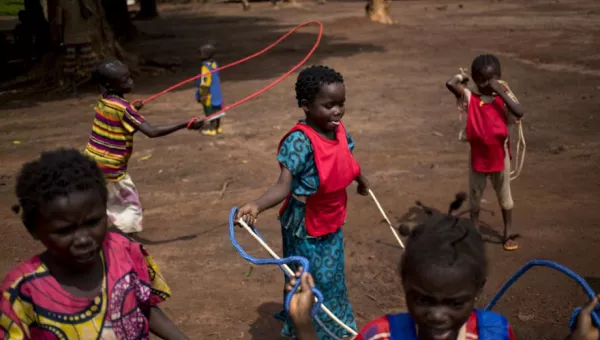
{"x":337,"y":168}
{"x":487,"y":132}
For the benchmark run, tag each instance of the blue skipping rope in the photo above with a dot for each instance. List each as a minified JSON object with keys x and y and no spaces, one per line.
{"x":560,"y":268}
{"x":280,"y":262}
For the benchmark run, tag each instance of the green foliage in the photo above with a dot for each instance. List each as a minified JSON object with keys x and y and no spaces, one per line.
{"x":11,"y":7}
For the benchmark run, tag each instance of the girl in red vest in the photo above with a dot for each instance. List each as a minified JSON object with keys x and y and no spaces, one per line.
{"x":488,"y":112}
{"x":316,"y":168}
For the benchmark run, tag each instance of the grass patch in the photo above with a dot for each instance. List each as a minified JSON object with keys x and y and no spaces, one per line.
{"x":11,"y":7}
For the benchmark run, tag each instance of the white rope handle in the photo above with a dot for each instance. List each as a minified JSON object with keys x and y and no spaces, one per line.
{"x":386,"y":218}
{"x":291,"y":273}
{"x":520,"y":155}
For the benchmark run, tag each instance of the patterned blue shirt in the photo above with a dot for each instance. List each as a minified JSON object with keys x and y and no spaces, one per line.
{"x":296,"y":155}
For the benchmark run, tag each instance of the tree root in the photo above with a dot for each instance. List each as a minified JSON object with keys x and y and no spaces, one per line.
{"x":379,"y":11}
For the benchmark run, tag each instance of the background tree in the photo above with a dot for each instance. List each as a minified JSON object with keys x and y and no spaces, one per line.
{"x":379,"y":11}
{"x":148,"y":10}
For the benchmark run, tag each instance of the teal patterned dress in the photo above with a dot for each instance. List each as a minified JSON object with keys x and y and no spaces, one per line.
{"x":325,"y":253}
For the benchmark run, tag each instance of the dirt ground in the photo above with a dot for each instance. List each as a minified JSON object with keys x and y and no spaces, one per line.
{"x":405,"y":127}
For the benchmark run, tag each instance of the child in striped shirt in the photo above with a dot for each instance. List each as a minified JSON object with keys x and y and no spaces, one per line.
{"x":111,"y":142}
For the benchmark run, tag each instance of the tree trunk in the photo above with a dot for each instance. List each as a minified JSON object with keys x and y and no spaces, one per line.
{"x":379,"y":11}
{"x":148,"y":10}
{"x":245,"y":5}
{"x":116,"y":13}
{"x":49,"y":71}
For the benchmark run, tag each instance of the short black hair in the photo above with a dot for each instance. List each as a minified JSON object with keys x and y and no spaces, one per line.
{"x":209,"y":49}
{"x":312,"y":78}
{"x":483,"y":61}
{"x":446,"y":241}
{"x":104,"y":72}
{"x":56,"y":173}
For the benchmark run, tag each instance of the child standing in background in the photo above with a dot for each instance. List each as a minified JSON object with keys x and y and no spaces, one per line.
{"x":487,"y":133}
{"x":208,"y":89}
{"x":111,"y":142}
{"x":72,"y":17}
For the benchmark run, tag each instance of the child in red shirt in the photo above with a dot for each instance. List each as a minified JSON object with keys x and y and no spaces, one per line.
{"x":488,"y":111}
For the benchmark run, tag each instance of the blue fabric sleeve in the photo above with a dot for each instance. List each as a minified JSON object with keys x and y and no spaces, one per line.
{"x":350,"y":141}
{"x":295,"y":152}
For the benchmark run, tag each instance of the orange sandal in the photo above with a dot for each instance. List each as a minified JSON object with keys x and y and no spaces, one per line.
{"x":511,"y":246}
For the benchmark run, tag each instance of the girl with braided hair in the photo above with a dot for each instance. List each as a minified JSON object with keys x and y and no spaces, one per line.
{"x":317,"y":166}
{"x":443,"y":270}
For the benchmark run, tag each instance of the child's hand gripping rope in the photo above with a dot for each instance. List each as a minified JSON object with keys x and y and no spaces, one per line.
{"x":302,"y":303}
{"x":283,"y":264}
{"x":583,"y":326}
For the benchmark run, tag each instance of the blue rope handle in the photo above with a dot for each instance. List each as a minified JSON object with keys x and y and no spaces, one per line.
{"x":560,"y":268}
{"x":288,"y":260}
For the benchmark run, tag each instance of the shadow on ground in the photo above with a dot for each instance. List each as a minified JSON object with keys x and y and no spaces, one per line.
{"x":266,"y":326}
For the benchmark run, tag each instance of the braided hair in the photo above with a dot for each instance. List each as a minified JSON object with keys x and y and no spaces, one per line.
{"x":483,"y":61}
{"x":57,"y":173}
{"x":445,"y":242}
{"x":311,"y":79}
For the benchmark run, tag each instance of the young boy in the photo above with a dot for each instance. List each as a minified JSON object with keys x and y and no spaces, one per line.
{"x":111,"y":142}
{"x":208,"y":91}
{"x":487,"y":133}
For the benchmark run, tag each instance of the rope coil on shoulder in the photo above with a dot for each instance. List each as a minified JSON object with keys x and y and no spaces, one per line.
{"x":283,"y":264}
{"x":553,"y":265}
{"x":520,"y":154}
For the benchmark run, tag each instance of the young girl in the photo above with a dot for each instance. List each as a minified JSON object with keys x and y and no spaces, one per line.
{"x":316,"y":167}
{"x":443,"y":270}
{"x":487,"y":133}
{"x":111,"y":142}
{"x":88,"y":283}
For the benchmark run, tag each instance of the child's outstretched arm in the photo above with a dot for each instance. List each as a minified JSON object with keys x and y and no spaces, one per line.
{"x":154,"y":131}
{"x":509,"y":99}
{"x":273,"y":196}
{"x":161,"y":326}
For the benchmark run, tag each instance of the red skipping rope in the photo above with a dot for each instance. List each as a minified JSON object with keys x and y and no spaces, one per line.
{"x":264,"y":89}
